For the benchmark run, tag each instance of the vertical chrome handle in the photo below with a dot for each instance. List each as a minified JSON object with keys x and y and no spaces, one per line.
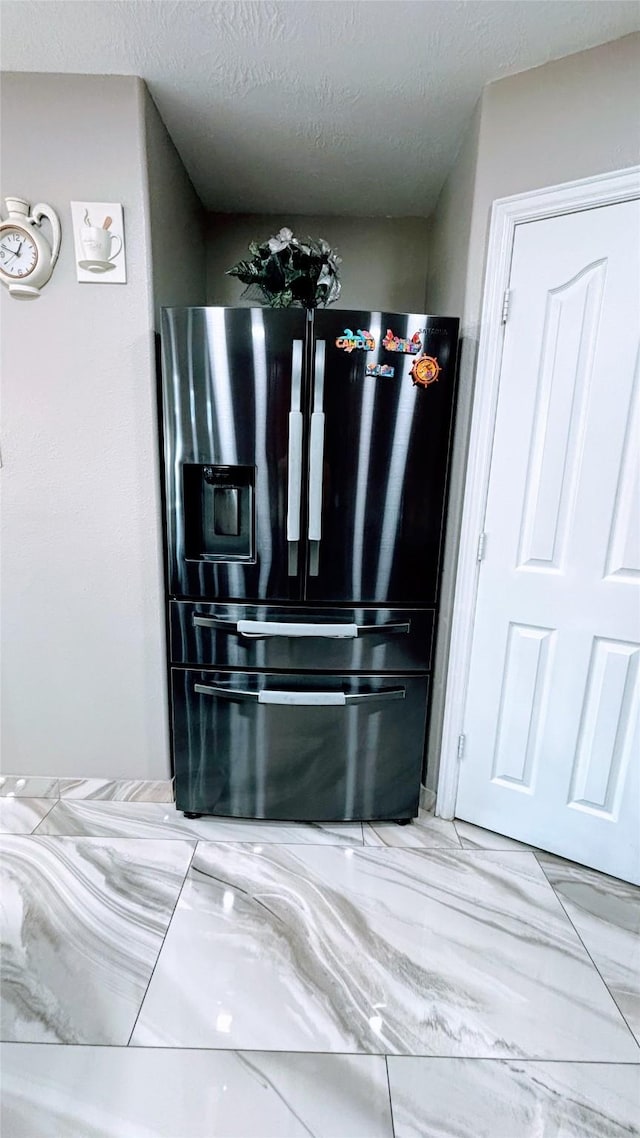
{"x":316,"y":454}
{"x":294,"y":462}
{"x":295,"y":475}
{"x":316,"y":461}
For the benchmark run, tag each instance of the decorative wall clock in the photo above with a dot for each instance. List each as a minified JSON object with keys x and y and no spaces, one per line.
{"x":27,"y":259}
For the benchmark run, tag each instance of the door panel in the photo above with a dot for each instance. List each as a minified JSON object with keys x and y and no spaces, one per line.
{"x":228,"y":398}
{"x":246,"y":746}
{"x":551,"y":724}
{"x":378,"y":461}
{"x":605,"y":735}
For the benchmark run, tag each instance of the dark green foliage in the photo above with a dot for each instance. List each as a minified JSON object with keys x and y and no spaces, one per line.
{"x":284,"y":271}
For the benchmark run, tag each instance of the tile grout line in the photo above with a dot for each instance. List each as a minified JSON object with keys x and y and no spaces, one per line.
{"x":524,"y":847}
{"x":188,"y":835}
{"x":35,"y":830}
{"x":458,"y":838}
{"x":328,"y":1054}
{"x":166,"y":932}
{"x":577,"y":932}
{"x":393,"y":1125}
{"x":197,"y":838}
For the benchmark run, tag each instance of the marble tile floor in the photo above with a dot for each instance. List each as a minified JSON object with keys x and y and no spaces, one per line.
{"x":167,"y":978}
{"x":23,"y":815}
{"x":139,"y":790}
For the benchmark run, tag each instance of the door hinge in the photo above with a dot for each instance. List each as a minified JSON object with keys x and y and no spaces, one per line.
{"x":481,"y":544}
{"x":505,"y":305}
{"x":461,"y":743}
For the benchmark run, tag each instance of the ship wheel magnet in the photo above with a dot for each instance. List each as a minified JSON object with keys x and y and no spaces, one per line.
{"x":425,"y":370}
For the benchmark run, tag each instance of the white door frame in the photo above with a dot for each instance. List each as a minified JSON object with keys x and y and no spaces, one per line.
{"x":506,"y":214}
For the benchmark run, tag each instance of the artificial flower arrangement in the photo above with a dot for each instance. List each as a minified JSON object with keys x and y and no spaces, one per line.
{"x":284,"y":272}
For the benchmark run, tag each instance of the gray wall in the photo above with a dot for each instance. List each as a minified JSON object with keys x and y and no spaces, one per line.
{"x":573,"y":118}
{"x":570,"y":119}
{"x":83,"y":675}
{"x":177,"y":220}
{"x":384,"y":259}
{"x":450,"y":230}
{"x":83,"y":680}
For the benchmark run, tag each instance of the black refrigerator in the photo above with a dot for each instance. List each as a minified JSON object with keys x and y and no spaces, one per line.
{"x":305,"y":468}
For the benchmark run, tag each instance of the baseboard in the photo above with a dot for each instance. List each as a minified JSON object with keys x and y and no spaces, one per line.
{"x":427,"y":799}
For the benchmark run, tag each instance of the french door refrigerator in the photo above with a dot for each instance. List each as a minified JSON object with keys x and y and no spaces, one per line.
{"x":305,"y":462}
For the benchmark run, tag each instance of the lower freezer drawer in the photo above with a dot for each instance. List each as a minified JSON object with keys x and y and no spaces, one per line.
{"x":298,"y":747}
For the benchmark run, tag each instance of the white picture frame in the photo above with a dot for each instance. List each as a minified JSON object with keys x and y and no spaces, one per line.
{"x":100,"y":255}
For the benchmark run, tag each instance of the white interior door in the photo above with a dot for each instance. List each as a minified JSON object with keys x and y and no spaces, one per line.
{"x":552,"y":746}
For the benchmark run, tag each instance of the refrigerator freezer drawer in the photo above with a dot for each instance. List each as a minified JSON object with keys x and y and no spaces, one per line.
{"x":260,"y":636}
{"x":298,"y":747}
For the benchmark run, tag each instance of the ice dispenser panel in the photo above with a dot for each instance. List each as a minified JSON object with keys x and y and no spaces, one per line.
{"x":219,"y":512}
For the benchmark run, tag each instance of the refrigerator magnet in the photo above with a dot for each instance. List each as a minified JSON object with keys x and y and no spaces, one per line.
{"x":374,"y":370}
{"x":393,"y":343}
{"x":361,"y":340}
{"x":425,"y":370}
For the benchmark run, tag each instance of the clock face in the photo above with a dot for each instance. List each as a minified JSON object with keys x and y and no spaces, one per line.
{"x":18,"y":253}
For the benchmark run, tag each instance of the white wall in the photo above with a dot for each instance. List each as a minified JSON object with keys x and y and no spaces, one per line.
{"x":83,"y":673}
{"x":570,"y":119}
{"x":384,"y":259}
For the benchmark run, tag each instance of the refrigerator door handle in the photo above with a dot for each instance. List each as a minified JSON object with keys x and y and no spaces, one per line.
{"x":301,"y":698}
{"x":316,"y":462}
{"x":294,"y":461}
{"x":261,"y":629}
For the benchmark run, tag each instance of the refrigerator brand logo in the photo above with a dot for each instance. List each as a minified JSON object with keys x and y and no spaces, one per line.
{"x":360,"y":340}
{"x":394,"y":343}
{"x":380,"y":369}
{"x":425,"y":371}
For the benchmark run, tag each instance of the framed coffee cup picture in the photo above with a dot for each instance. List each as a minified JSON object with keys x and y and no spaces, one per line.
{"x":98,"y":235}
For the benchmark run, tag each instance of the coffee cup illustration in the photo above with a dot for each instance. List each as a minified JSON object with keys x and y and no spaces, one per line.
{"x":98,"y":242}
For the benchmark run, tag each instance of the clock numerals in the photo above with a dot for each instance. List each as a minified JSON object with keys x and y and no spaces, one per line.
{"x":18,"y":254}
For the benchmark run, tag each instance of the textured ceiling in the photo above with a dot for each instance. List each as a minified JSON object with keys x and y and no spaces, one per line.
{"x":310,"y":106}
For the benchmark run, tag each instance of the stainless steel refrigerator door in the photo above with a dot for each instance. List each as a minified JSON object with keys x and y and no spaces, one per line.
{"x":298,"y":747}
{"x":233,"y":391}
{"x":378,"y":454}
{"x":301,"y":639}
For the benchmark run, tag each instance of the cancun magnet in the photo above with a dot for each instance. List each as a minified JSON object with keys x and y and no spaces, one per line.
{"x":359,"y":341}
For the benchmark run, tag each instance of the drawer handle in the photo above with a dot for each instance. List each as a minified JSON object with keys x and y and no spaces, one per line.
{"x":301,"y":698}
{"x":387,"y":629}
{"x":261,"y":629}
